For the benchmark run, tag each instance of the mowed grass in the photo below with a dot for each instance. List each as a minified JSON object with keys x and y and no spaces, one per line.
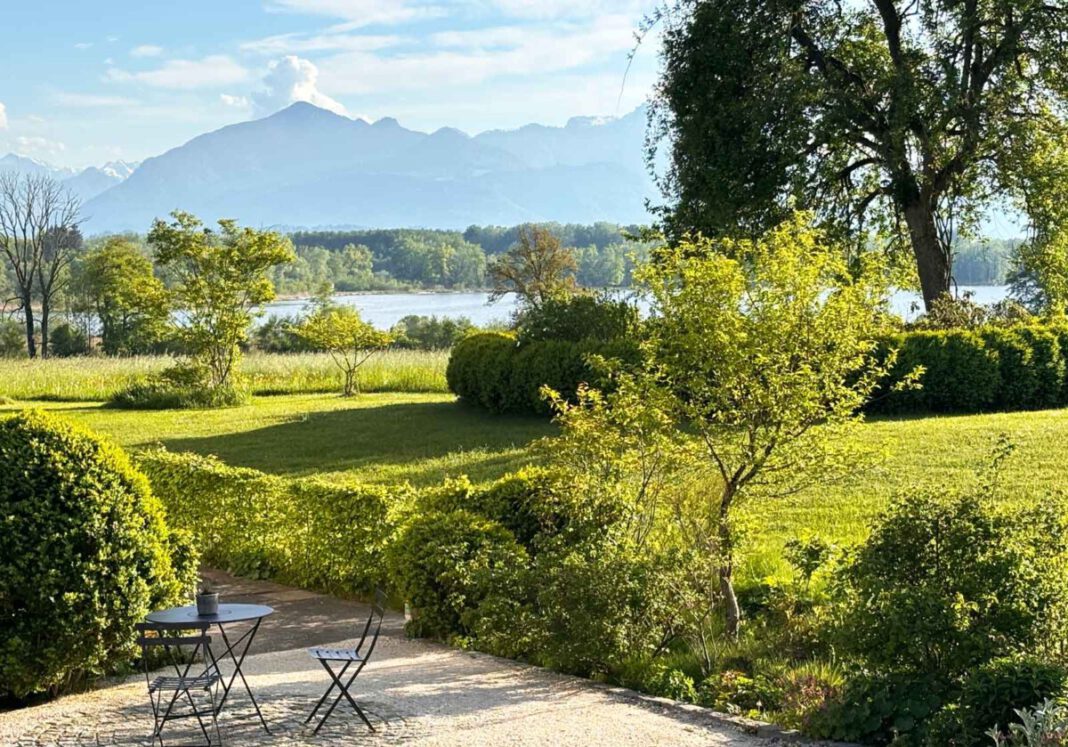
{"x":424,"y":438}
{"x":96,"y":379}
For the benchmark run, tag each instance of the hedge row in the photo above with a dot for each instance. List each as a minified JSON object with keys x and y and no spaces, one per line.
{"x":1014,"y":368}
{"x":300,"y":531}
{"x":497,"y":372}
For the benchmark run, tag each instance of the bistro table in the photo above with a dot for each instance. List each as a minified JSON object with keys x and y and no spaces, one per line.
{"x":228,"y":614}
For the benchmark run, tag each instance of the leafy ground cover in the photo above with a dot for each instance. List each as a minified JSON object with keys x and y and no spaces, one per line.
{"x":424,"y":438}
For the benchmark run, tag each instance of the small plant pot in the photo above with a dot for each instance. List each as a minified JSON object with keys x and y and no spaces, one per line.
{"x":208,"y":604}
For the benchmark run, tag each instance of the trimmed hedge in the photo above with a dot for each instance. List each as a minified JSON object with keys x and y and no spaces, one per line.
{"x":495,"y":371}
{"x":968,"y":371}
{"x":306,"y":532}
{"x":85,"y":553}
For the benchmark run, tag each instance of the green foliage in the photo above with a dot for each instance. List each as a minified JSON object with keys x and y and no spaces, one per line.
{"x":278,"y":334}
{"x":579,"y":318}
{"x":440,"y":563}
{"x":537,"y":269}
{"x":115,"y":282}
{"x":946,"y":583}
{"x":183,"y":386}
{"x":67,"y":341}
{"x":218,"y":280}
{"x":479,"y":370}
{"x":84,"y":554}
{"x":750,"y":90}
{"x":880,"y":710}
{"x":1045,"y":724}
{"x":350,"y":341}
{"x":991,"y":694}
{"x":12,"y":338}
{"x":305,"y":532}
{"x":430,"y":332}
{"x":1020,"y":367}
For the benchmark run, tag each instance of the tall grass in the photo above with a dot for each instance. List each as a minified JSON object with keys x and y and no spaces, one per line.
{"x":96,"y":379}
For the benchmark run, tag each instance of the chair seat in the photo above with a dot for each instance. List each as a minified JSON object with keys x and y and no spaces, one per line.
{"x":335,"y":654}
{"x":181,"y":684}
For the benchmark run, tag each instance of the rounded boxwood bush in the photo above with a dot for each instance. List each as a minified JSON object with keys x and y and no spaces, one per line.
{"x":85,"y":553}
{"x":443,"y":562}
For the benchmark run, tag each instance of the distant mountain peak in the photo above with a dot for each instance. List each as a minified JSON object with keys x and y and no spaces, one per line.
{"x":387,"y":122}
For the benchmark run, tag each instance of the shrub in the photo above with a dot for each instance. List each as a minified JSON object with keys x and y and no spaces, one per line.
{"x":479,"y":370}
{"x":442,"y":563}
{"x":580,"y":318}
{"x":879,"y":709}
{"x":1045,"y":724}
{"x":180,"y":387}
{"x":991,"y":694}
{"x":961,"y":373}
{"x":430,"y":333}
{"x":84,"y":554}
{"x":305,"y":531}
{"x":66,"y":341}
{"x":12,"y":338}
{"x":734,"y":691}
{"x":947,"y":583}
{"x":277,"y":335}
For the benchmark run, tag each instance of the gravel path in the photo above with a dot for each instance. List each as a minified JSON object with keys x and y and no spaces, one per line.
{"x":415,"y":692}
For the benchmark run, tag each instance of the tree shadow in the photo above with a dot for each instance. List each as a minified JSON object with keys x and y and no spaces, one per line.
{"x":394,"y":435}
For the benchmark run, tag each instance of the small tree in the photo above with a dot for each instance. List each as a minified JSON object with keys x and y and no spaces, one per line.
{"x":766,"y":350}
{"x":536,"y":269}
{"x":115,"y":282}
{"x":350,"y":340}
{"x":219,"y":280}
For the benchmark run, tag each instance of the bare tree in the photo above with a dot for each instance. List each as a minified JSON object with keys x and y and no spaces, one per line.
{"x":39,"y":238}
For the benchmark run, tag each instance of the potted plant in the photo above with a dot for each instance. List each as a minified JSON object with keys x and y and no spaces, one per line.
{"x":207,"y":600}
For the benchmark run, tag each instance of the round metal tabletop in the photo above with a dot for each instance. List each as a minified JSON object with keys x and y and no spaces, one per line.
{"x":228,"y":613}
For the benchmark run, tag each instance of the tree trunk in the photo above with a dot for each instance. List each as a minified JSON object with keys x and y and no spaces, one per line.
{"x":731,"y":613}
{"x":31,"y":341}
{"x":44,"y":329}
{"x":932,"y":264}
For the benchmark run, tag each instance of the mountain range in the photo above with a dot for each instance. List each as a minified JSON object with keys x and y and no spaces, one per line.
{"x":85,"y":184}
{"x":308,"y":167}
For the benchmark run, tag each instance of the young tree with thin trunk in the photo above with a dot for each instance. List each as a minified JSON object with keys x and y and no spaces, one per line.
{"x":350,"y":340}
{"x":902,"y":116}
{"x":39,"y":239}
{"x":765,"y":350}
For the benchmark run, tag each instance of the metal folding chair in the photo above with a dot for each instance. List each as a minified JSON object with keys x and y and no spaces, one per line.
{"x":357,"y":656}
{"x":182,"y":643}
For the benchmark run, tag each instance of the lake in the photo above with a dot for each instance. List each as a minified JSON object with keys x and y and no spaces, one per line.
{"x":384,"y":310}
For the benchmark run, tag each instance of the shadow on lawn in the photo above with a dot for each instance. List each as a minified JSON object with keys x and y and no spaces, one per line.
{"x":390,"y":435}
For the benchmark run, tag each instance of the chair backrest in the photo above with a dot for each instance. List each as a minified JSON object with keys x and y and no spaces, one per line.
{"x":181,"y":642}
{"x":378,"y":612}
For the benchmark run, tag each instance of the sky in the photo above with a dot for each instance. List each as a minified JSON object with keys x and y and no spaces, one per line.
{"x":83,"y":82}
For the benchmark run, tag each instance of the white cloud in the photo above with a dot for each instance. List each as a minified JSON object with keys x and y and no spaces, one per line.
{"x":3,"y":116}
{"x":38,"y":146}
{"x":210,"y":72}
{"x":556,"y":9}
{"x":146,"y":50}
{"x":325,"y":42}
{"x":237,"y":102}
{"x":90,"y":101}
{"x":358,"y":13}
{"x":292,"y":79}
{"x":83,"y":45}
{"x":474,"y":56}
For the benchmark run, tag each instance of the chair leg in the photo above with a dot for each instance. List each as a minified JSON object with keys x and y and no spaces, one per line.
{"x":325,"y":695}
{"x":214,"y":717}
{"x":344,"y":687}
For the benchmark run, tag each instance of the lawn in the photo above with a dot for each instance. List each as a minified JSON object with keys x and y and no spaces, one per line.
{"x":423,"y":438}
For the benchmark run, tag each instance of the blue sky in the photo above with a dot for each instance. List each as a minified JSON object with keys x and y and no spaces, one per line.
{"x":87,"y":81}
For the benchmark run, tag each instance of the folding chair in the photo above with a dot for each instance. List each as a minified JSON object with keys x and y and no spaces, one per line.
{"x":350,"y":656}
{"x":182,"y":647}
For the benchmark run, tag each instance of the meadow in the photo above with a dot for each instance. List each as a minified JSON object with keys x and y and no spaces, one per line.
{"x":423,"y":438}
{"x":97,"y":378}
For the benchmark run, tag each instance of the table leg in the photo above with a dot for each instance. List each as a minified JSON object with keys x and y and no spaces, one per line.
{"x":250,"y":635}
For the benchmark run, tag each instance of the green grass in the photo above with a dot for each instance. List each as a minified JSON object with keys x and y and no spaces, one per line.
{"x":96,"y":379}
{"x":423,"y":438}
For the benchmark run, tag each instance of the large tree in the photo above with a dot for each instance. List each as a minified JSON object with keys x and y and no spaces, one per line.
{"x":908,"y":116}
{"x":39,"y":238}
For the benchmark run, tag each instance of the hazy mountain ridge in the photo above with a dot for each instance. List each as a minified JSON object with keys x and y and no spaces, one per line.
{"x":85,"y":184}
{"x":308,"y":166}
